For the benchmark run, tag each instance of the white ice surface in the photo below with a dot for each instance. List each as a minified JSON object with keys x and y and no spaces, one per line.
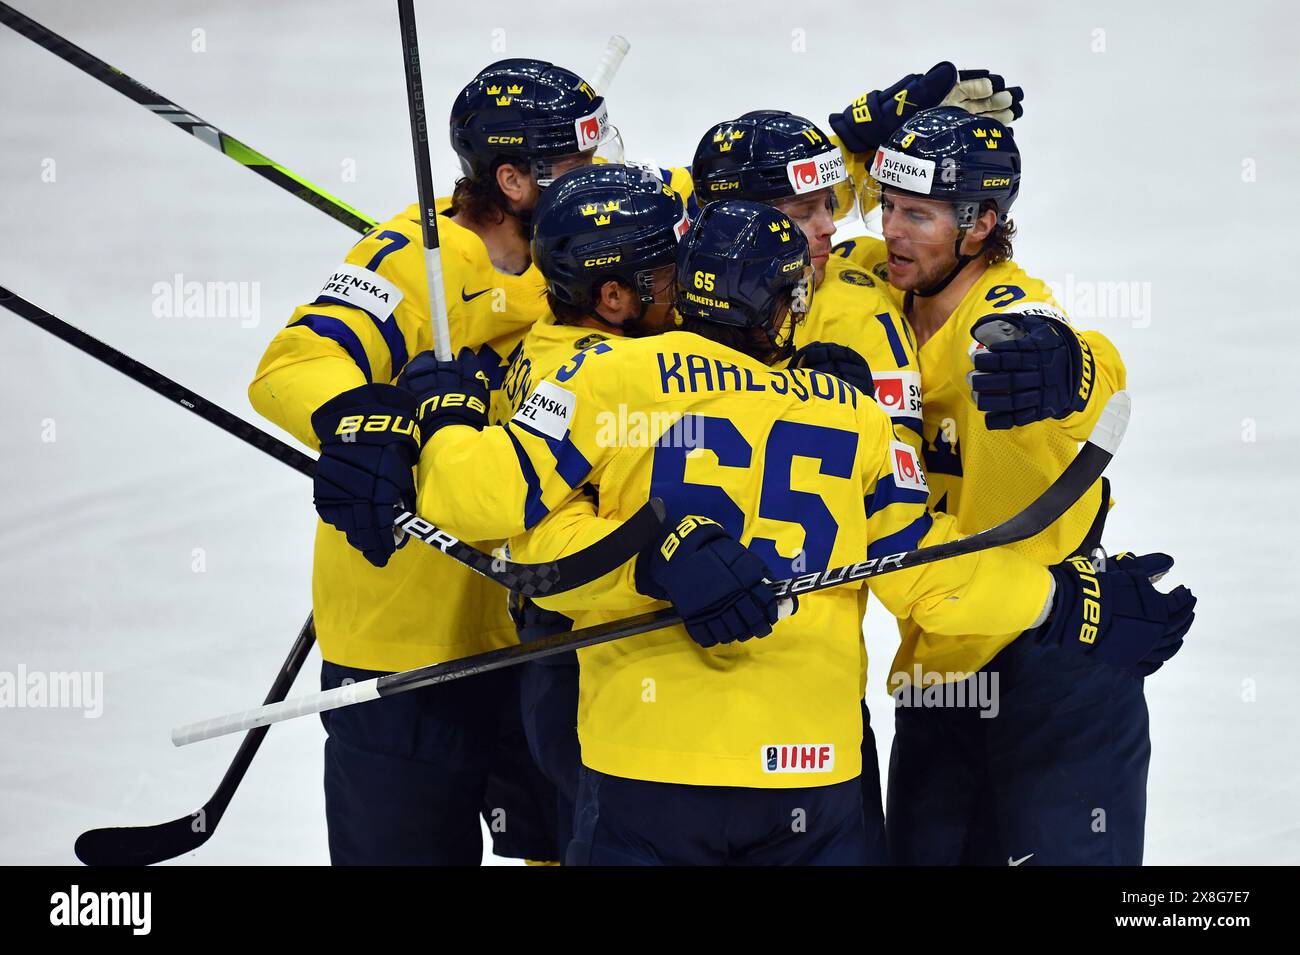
{"x":1133,"y":172}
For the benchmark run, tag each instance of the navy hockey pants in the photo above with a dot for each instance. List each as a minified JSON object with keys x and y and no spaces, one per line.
{"x":406,"y":777}
{"x":1057,"y":777}
{"x":548,"y":698}
{"x":634,"y":822}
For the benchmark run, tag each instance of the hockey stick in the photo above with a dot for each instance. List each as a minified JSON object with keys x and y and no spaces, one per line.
{"x":610,"y":61}
{"x":183,"y":119}
{"x":97,"y":846}
{"x":528,"y":579}
{"x":1081,"y":473}
{"x":424,"y":179}
{"x":145,"y":845}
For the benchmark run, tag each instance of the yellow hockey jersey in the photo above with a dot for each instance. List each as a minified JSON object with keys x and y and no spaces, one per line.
{"x":805,"y":470}
{"x":371,"y":315}
{"x":983,"y":477}
{"x":852,"y":307}
{"x":868,"y":252}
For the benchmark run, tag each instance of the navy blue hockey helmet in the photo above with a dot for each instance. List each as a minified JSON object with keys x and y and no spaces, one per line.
{"x":604,"y":222}
{"x":740,"y":264}
{"x":949,"y":154}
{"x":529,"y":111}
{"x":770,"y":154}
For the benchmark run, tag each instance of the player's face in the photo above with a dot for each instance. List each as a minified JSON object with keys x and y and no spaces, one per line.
{"x":815,"y":216}
{"x":919,"y":237}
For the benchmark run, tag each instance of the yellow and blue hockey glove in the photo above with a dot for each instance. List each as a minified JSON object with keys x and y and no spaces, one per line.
{"x":1030,"y":368}
{"x":368,"y":447}
{"x":1116,"y":614}
{"x":868,"y":122}
{"x":446,"y":392}
{"x":713,"y":581}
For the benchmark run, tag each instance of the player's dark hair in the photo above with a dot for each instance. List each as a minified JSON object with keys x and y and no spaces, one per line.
{"x":480,"y":198}
{"x":997,"y":247}
{"x":566,"y":314}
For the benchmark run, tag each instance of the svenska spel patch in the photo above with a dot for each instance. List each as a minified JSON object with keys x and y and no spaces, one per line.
{"x":591,"y":128}
{"x":908,"y":473}
{"x":899,"y":393}
{"x":893,"y":168}
{"x":364,"y":289}
{"x":816,"y":172}
{"x":547,"y":412}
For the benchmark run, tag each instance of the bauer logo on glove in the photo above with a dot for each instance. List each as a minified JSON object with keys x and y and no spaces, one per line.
{"x":351,"y":424}
{"x":684,"y":527}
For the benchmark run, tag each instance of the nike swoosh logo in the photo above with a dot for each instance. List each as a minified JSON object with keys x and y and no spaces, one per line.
{"x":1011,"y":861}
{"x":472,"y":296}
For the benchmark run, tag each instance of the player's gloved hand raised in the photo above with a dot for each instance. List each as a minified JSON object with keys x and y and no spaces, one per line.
{"x":713,"y":581}
{"x":1116,"y":615}
{"x":446,"y":392}
{"x":1032,"y":367}
{"x":368,"y":447}
{"x":873,"y":117}
{"x":842,"y":362}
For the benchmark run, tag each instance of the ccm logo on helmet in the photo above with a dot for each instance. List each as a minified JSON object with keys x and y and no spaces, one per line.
{"x":505,"y":140}
{"x":601,"y":260}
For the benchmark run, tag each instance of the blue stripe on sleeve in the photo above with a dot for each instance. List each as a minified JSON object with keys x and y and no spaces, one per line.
{"x":327,"y":326}
{"x":887,"y":493}
{"x":570,"y":463}
{"x":534,"y":509}
{"x":895,"y":343}
{"x":388,"y":330}
{"x":909,"y":538}
{"x":913,"y":423}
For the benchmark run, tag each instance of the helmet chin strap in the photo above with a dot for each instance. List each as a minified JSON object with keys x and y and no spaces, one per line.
{"x":592,"y":313}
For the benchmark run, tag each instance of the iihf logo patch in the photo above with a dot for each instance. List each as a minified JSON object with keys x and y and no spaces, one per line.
{"x":798,"y":758}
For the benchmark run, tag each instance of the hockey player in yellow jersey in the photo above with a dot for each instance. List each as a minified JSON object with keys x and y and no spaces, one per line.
{"x":605,"y":240}
{"x":1010,"y":388}
{"x":788,"y":162}
{"x":405,"y":781}
{"x":800,"y":465}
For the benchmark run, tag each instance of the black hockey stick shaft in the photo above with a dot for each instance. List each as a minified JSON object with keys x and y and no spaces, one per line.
{"x":147,"y":845}
{"x":419,"y":122}
{"x":424,"y":179}
{"x":1081,"y":474}
{"x":528,"y":579}
{"x":185,"y":120}
{"x":157,"y":382}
